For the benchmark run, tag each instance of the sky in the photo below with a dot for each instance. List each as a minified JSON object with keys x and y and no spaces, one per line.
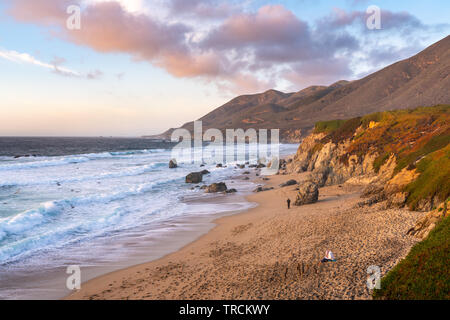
{"x":139,"y":67}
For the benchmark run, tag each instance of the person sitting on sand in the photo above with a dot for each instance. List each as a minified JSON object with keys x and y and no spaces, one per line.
{"x":289,"y":203}
{"x":329,"y":257}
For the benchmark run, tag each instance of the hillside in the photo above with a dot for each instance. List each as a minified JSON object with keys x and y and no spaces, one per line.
{"x":422,"y":80}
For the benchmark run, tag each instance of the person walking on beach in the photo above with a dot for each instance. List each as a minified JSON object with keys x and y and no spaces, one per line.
{"x":289,"y":203}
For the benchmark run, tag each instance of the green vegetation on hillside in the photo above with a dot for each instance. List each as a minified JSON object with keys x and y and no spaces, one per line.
{"x":328,"y":126}
{"x":434,"y":179}
{"x":425,"y":273}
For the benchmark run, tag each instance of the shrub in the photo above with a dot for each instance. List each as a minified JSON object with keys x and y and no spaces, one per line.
{"x":425,"y":273}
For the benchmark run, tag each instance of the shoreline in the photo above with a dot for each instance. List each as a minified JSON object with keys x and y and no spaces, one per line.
{"x":51,"y":284}
{"x":269,"y":252}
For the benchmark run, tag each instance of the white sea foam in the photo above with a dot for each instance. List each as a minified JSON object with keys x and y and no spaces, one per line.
{"x":118,"y":191}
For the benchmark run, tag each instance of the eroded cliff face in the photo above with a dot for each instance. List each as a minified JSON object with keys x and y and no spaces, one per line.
{"x":326,"y":164}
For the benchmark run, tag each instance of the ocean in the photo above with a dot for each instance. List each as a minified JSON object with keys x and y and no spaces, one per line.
{"x":99,"y":203}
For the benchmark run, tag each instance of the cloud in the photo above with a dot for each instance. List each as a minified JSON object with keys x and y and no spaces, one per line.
{"x":55,"y":65}
{"x":390,"y":21}
{"x":242,"y":50}
{"x":203,"y":9}
{"x":18,"y":57}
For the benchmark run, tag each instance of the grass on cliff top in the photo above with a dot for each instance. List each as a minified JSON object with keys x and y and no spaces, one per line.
{"x":328,"y":126}
{"x":425,"y":273}
{"x":434,"y":179}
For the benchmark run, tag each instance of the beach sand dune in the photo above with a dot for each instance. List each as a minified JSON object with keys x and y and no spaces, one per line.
{"x":270,"y":252}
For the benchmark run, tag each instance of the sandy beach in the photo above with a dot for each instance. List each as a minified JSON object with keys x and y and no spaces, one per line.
{"x":270,"y":252}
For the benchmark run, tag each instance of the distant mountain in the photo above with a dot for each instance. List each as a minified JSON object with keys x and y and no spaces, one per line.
{"x":422,"y":80}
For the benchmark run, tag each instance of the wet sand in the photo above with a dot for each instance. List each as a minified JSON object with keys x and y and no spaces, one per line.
{"x":270,"y":252}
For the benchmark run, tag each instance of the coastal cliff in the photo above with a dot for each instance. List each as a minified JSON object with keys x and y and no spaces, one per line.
{"x":401,"y":156}
{"x":401,"y":159}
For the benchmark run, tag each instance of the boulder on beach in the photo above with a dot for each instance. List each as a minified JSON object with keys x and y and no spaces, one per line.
{"x":308,"y":192}
{"x":231,"y":191}
{"x":219,"y":165}
{"x":262,"y":189}
{"x":216,"y":187}
{"x":291,"y":182}
{"x":173,"y":164}
{"x":194,"y":177}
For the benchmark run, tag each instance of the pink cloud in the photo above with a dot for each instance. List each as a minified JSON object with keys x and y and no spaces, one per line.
{"x":240,"y":53}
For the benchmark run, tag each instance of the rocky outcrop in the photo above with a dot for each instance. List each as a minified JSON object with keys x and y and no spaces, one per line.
{"x":288,"y":183}
{"x":308,"y":192}
{"x":216,"y":187}
{"x":173,"y":164}
{"x":327,"y":162}
{"x":428,"y":222}
{"x":262,"y":189}
{"x":194,"y":177}
{"x":388,"y":189}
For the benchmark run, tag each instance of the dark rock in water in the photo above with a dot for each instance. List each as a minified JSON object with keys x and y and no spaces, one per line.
{"x":262,"y":189}
{"x":194,"y":177}
{"x":173,"y":164}
{"x":216,"y":187}
{"x":241,"y":166}
{"x":252,"y":166}
{"x":308,"y":193}
{"x":202,"y":165}
{"x":219,"y":165}
{"x":288,"y":183}
{"x":261,"y":165}
{"x":231,"y":191}
{"x":203,"y":187}
{"x":247,"y":172}
{"x":246,"y":178}
{"x":247,"y":163}
{"x":205,"y":172}
{"x":266,"y":179}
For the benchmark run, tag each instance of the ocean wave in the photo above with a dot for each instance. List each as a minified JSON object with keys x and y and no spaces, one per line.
{"x":29,"y":219}
{"x":133,"y":171}
{"x":41,"y":162}
{"x":60,"y":236}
